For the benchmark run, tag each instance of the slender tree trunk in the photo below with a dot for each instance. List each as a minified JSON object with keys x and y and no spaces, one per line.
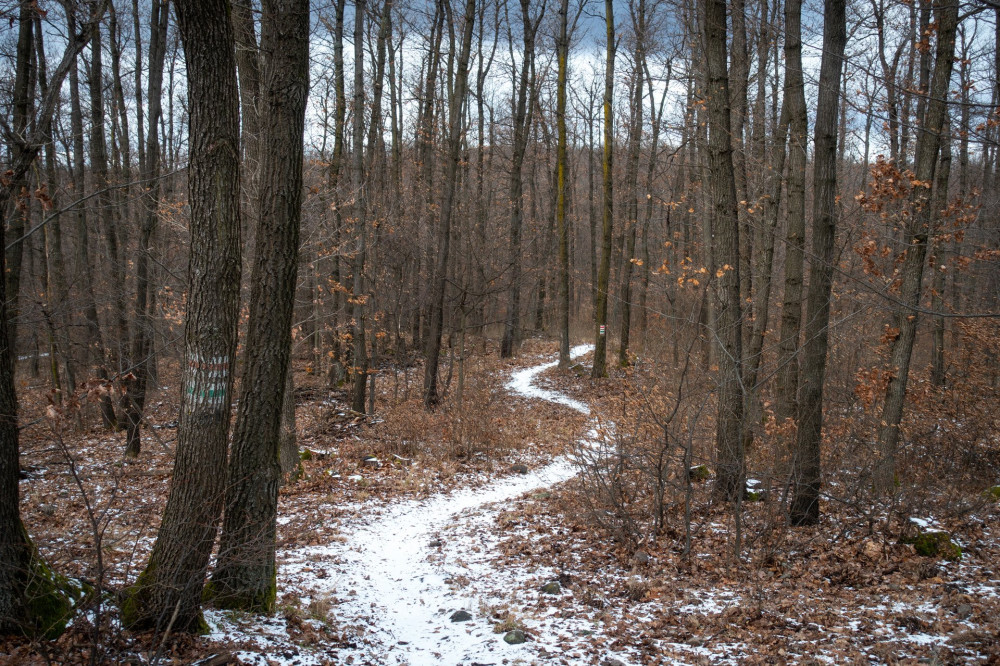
{"x":791,"y":309}
{"x":106,"y":211}
{"x":523,"y":112}
{"x":806,"y":468}
{"x":456,"y":102}
{"x":562,"y":54}
{"x":726,"y":252}
{"x":168,"y":591}
{"x":607,"y":206}
{"x":135,"y":398}
{"x":939,"y":264}
{"x":359,"y":366}
{"x":916,"y":235}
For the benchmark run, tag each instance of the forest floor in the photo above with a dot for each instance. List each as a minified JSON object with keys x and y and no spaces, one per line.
{"x":404,"y":519}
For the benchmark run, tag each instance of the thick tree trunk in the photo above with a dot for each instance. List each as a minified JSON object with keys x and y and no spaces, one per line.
{"x":31,"y":601}
{"x":245,"y":573}
{"x":168,"y":591}
{"x":806,"y":470}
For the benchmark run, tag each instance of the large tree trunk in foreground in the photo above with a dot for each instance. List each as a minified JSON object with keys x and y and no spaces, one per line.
{"x":167,"y":594}
{"x":33,"y":601}
{"x":245,"y":574}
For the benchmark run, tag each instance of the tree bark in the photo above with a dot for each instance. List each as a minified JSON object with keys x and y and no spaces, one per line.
{"x":806,"y":467}
{"x":168,"y":591}
{"x":456,"y":102}
{"x":245,"y":574}
{"x":523,"y":111}
{"x":726,"y":253}
{"x":140,"y":362}
{"x":916,"y":236}
{"x":795,"y":239}
{"x":607,"y":206}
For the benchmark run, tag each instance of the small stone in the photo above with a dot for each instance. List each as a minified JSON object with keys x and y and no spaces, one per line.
{"x":519,"y":469}
{"x":47,"y":509}
{"x":641,"y":557}
{"x":552,"y":587}
{"x":461,"y":616}
{"x":963,"y":611}
{"x":515,"y":637}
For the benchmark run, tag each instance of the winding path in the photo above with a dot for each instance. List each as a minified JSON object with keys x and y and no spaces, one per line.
{"x":396,"y":582}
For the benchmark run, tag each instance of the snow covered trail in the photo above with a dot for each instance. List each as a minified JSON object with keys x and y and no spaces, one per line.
{"x":394,"y":583}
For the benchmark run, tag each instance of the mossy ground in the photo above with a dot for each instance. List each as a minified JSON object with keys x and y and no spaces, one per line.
{"x":935,"y":544}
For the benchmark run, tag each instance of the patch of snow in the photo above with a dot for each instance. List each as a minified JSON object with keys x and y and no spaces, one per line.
{"x":522,"y":383}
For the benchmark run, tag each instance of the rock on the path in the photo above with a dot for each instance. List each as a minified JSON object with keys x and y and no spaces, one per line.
{"x":461,"y":616}
{"x":515,"y":637}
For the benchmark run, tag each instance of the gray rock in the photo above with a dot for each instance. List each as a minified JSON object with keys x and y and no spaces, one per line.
{"x":964,"y":611}
{"x":641,"y":557}
{"x":515,"y":637}
{"x":461,"y":616}
{"x":47,"y":509}
{"x":552,"y":587}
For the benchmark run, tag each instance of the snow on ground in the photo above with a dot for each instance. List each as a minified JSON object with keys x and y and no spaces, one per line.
{"x":394,"y":581}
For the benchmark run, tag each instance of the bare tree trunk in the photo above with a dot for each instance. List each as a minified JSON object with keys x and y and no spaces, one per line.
{"x":726,"y":252}
{"x":791,"y":309}
{"x":632,"y":181}
{"x":135,"y":398}
{"x":916,"y":235}
{"x":607,"y":206}
{"x":562,"y":54}
{"x":938,"y":263}
{"x":106,"y":210}
{"x":807,"y":470}
{"x":436,"y":319}
{"x":359,"y":365}
{"x":523,"y":111}
{"x":245,"y":573}
{"x":168,"y":591}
